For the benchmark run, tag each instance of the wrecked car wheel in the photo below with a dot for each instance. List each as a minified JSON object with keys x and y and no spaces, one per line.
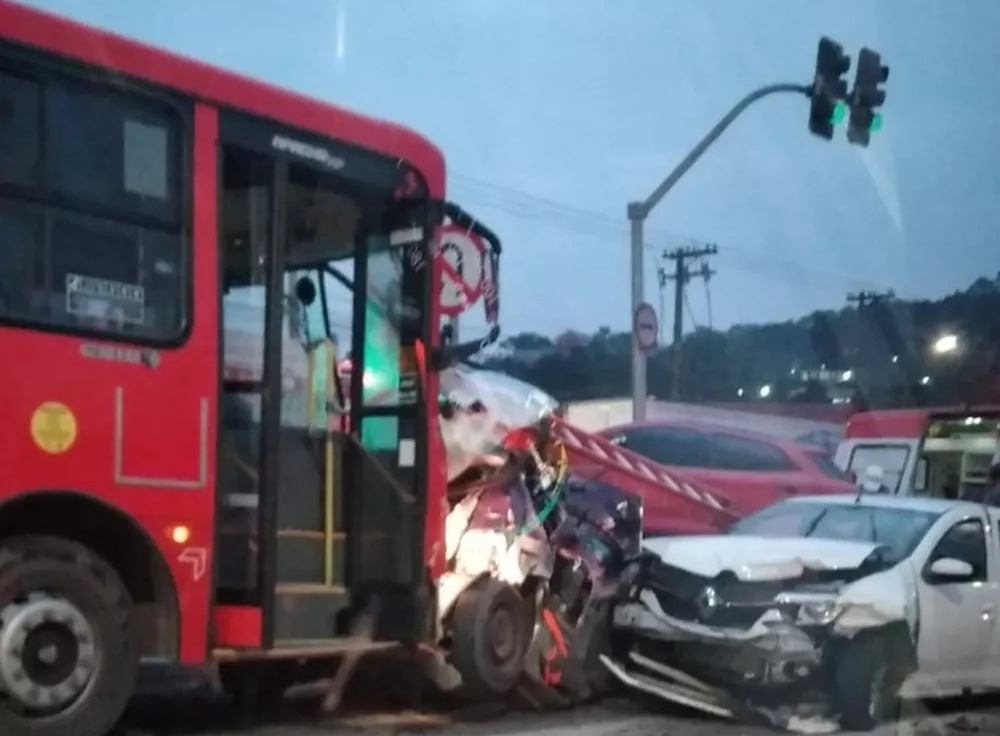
{"x":489,"y":639}
{"x":869,"y":670}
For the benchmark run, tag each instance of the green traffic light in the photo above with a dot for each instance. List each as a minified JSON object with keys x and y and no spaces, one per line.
{"x":876,"y":124}
{"x":838,"y":114}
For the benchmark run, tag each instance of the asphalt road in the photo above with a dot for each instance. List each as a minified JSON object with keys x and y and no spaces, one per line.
{"x":190,"y":709}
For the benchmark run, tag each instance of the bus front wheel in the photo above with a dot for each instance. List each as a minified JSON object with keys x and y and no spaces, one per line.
{"x":68,"y":662}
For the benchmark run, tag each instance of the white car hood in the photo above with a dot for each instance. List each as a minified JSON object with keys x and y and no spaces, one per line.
{"x":758,"y":558}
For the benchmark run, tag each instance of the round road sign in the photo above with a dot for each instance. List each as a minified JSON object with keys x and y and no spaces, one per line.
{"x":464,"y":269}
{"x":645,"y":327}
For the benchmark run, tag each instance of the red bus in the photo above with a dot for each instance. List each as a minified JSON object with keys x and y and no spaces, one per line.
{"x":165,"y":492}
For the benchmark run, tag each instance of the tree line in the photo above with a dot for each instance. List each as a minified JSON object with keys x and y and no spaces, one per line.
{"x":878,"y":355}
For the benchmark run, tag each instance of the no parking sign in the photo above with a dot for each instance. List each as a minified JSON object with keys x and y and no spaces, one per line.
{"x":466,"y":269}
{"x":645,"y":327}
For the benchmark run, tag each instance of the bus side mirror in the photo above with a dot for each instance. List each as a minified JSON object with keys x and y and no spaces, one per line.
{"x":448,"y":355}
{"x":305,"y":291}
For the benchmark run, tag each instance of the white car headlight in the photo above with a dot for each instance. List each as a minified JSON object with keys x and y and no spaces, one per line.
{"x":813,"y":609}
{"x":819,"y":613}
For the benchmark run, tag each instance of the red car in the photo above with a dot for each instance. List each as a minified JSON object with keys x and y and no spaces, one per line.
{"x":750,"y":470}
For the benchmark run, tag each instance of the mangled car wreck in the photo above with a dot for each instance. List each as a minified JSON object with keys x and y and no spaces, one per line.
{"x":811,"y":612}
{"x":838,"y":602}
{"x":533,"y":553}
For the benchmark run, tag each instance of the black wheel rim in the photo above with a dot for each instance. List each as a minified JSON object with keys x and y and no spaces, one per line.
{"x":502,"y":635}
{"x":50,"y":654}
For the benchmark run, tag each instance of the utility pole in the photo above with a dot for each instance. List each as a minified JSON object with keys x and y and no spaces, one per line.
{"x":867,"y":318}
{"x":864,"y":299}
{"x":681,"y":276}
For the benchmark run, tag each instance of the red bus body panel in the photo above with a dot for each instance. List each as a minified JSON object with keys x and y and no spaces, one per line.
{"x":167,"y":417}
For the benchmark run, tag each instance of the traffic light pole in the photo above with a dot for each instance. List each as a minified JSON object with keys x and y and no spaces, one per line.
{"x":639,"y":211}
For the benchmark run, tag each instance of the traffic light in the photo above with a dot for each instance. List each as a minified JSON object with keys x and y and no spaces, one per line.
{"x":866,"y":96}
{"x":829,"y":88}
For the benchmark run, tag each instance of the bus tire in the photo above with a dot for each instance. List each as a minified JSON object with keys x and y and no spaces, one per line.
{"x":490,"y":633}
{"x":65,"y":621}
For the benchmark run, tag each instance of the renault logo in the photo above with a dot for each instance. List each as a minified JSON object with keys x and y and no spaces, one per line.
{"x":707,"y":602}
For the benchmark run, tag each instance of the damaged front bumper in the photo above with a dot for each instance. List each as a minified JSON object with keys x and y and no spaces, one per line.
{"x":754,"y":647}
{"x":724,"y":670}
{"x":754,"y":631}
{"x":646,"y":675}
{"x":771,"y":652}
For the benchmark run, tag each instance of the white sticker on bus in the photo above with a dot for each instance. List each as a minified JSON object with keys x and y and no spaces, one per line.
{"x":307,"y":150}
{"x":87,"y":296}
{"x":407,"y":453}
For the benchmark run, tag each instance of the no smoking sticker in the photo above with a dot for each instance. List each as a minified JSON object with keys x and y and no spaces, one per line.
{"x":53,"y":428}
{"x":465,"y":269}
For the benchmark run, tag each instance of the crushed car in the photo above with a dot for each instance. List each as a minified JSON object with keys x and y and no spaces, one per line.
{"x":824,"y":608}
{"x":533,"y":553}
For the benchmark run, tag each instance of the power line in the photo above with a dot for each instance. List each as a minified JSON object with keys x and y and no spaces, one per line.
{"x":864,"y":299}
{"x":537,"y":205}
{"x":528,"y":206}
{"x":661,"y":279}
{"x":687,"y":305}
{"x":708,"y":302}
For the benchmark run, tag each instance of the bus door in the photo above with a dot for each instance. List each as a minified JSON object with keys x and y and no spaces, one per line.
{"x":388,"y":456}
{"x":388,"y":451}
{"x":318,"y":513}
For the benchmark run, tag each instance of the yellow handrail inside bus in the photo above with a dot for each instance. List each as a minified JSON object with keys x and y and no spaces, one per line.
{"x":315,"y":393}
{"x":329,"y":485}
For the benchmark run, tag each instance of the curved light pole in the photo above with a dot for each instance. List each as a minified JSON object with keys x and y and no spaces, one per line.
{"x":639,"y":211}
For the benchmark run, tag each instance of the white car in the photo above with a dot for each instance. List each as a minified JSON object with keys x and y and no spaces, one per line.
{"x":851,"y":599}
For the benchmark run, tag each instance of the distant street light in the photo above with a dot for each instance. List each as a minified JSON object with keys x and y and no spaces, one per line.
{"x":765,"y":391}
{"x":945,"y":344}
